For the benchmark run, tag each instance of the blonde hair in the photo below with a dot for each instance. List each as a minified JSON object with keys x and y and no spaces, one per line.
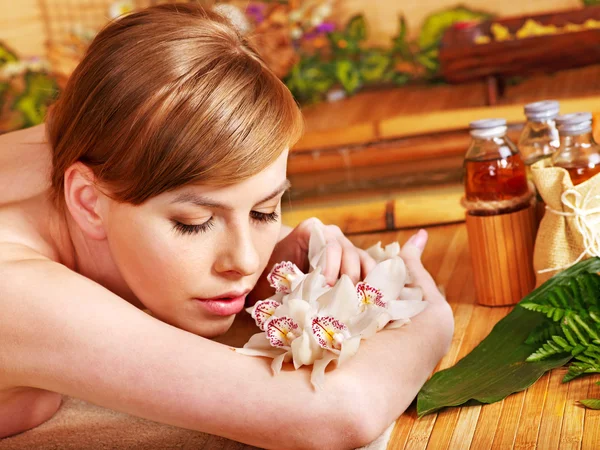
{"x":167,"y":96}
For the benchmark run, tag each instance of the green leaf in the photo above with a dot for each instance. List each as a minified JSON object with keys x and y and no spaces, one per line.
{"x":40,"y":91}
{"x":592,"y":403}
{"x":6,"y":55}
{"x":356,"y":29}
{"x":496,"y":368}
{"x":310,"y":79}
{"x":374,"y":65}
{"x":348,"y":75}
{"x":436,"y":23}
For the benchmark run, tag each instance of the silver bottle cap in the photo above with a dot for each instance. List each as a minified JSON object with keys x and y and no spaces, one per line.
{"x":544,"y":110}
{"x":574,"y":123}
{"x":488,"y":128}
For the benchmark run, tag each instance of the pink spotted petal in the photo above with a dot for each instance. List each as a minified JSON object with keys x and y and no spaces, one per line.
{"x":369,"y":295}
{"x":329,"y":332}
{"x":281,"y":331}
{"x":283,"y":275}
{"x":263,"y":311}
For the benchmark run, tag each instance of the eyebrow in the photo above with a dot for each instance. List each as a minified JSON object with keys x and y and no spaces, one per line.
{"x":198,"y":200}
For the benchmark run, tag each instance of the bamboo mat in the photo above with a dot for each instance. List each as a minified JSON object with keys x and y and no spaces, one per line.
{"x":546,"y":416}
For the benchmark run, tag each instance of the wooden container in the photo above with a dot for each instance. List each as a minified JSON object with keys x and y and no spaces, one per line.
{"x":462,"y":59}
{"x":501,"y":248}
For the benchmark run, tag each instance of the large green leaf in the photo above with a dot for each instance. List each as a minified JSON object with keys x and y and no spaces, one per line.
{"x":496,"y":368}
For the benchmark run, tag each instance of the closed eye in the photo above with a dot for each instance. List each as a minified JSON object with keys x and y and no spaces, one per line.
{"x":193,"y":229}
{"x":264,"y":217}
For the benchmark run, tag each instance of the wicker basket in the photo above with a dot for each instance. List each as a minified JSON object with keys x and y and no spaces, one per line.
{"x":70,"y":27}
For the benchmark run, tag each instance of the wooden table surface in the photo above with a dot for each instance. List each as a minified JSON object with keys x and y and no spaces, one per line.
{"x":544,"y":417}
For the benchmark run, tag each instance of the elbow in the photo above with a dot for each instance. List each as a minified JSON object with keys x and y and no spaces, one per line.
{"x":363,"y":418}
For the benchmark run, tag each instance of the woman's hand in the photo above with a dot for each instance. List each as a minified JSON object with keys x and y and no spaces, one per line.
{"x":411,"y":254}
{"x":342,"y":257}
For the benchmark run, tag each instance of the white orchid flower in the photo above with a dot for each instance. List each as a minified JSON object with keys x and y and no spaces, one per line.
{"x":309,"y":323}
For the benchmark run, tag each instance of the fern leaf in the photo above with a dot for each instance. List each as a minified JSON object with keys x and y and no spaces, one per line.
{"x":543,"y":333}
{"x":547,"y":350}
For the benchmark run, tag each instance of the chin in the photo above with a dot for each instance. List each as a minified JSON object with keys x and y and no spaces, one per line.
{"x":210,"y":328}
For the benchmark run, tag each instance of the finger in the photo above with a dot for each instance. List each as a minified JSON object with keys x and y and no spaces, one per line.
{"x":367,"y":263}
{"x":350,"y":261}
{"x":411,"y":254}
{"x":333,"y":258}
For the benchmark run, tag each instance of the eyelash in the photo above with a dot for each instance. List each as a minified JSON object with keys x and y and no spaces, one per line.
{"x":204,"y":227}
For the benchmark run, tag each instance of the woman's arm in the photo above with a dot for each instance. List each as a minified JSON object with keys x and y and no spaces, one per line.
{"x":65,"y":333}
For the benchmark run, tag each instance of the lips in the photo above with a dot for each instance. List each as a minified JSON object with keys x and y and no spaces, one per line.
{"x":227,"y":304}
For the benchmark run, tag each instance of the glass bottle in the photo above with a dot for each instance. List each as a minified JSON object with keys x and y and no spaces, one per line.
{"x":539,"y":138}
{"x":578,"y":152}
{"x":494,"y":171}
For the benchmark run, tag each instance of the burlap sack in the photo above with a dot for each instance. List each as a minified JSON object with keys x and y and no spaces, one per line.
{"x":570,"y":230}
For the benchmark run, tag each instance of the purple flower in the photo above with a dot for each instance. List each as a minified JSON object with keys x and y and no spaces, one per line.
{"x":256,"y":11}
{"x":325,"y":27}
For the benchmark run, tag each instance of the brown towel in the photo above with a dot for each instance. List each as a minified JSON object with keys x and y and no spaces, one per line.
{"x":79,"y":425}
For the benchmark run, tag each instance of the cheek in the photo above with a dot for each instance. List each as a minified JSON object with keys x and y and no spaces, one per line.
{"x":153,"y":260}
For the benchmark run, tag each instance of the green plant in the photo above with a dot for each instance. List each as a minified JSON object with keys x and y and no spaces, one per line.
{"x":572,"y":325}
{"x":498,"y":366}
{"x":434,"y":27}
{"x":40,"y":90}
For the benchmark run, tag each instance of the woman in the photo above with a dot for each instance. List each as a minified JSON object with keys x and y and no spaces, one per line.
{"x":156,"y":184}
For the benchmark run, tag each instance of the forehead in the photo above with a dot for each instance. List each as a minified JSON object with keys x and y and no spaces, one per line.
{"x":259,"y":188}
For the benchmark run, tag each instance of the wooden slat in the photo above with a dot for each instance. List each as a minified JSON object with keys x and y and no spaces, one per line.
{"x":591,"y":437}
{"x":356,"y":134}
{"x":571,"y":434}
{"x":531,"y":415}
{"x":552,"y":413}
{"x":421,"y":124}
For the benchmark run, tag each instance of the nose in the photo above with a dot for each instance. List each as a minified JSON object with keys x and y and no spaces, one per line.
{"x":238,"y":255}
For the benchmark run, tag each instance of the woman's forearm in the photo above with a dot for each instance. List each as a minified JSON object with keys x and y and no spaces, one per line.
{"x":393,"y":365}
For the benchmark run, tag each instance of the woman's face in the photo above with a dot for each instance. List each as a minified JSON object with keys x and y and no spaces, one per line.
{"x":191,"y":255}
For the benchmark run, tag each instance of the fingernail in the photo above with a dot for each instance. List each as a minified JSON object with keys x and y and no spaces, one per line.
{"x":420,"y":239}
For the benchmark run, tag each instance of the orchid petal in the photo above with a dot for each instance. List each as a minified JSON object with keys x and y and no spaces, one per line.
{"x":405,"y":309}
{"x":285,"y":276}
{"x":310,"y":288}
{"x":369,"y":296}
{"x":392,"y":250}
{"x":339,"y":301}
{"x":305,"y":350}
{"x":281,"y":331}
{"x":259,"y":345}
{"x":349,"y":349}
{"x":411,"y":293}
{"x":278,"y":362}
{"x":263,"y":311}
{"x":297,"y":309}
{"x":317,"y":377}
{"x":389,"y":277}
{"x":369,"y":322}
{"x":317,"y":246}
{"x":376,"y":252}
{"x":380,"y":254}
{"x":396,"y":324}
{"x":329,"y":332}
